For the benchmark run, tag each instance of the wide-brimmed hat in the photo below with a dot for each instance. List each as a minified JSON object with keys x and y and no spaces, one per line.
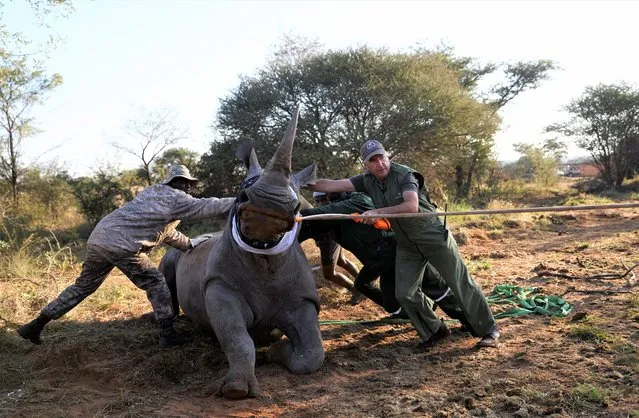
{"x":179,"y":171}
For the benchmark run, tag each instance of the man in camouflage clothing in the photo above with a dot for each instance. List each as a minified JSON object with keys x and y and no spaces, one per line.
{"x":124,"y":238}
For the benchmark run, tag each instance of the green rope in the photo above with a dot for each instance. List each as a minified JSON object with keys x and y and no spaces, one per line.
{"x":524,"y":301}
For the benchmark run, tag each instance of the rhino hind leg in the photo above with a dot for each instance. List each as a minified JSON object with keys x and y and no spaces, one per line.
{"x":168,"y":268}
{"x":303,"y":350}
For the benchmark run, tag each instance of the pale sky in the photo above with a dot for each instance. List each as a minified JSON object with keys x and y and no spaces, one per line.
{"x":120,"y":56}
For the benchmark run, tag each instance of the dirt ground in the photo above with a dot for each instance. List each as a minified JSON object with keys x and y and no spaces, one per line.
{"x":585,"y":364}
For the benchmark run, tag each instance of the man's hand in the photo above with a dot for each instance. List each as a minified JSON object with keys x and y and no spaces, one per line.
{"x":198,"y":240}
{"x":370,"y":221}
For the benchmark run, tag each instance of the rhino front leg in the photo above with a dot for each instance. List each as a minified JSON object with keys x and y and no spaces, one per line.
{"x":303,"y":351}
{"x":226,"y":313}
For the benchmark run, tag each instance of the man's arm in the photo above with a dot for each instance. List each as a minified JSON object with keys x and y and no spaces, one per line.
{"x":409,"y":205}
{"x":178,"y":240}
{"x":332,"y":186}
{"x":357,"y":203}
{"x":188,"y":207}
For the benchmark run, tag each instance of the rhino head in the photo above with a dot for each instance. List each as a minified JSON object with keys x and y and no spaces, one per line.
{"x":269,"y":200}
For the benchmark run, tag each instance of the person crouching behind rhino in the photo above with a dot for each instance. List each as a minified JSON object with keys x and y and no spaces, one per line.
{"x":124,"y":238}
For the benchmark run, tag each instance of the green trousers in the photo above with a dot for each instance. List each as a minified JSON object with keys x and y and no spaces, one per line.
{"x":411,"y":261}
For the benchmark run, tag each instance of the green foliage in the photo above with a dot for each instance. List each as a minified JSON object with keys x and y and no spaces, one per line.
{"x":582,"y":246}
{"x":134,"y":179}
{"x":587,"y":199}
{"x":633,"y":308}
{"x":47,"y":196}
{"x":591,"y":333}
{"x":23,"y":84}
{"x":605,"y":122}
{"x":219,"y":171}
{"x":421,"y":105}
{"x":538,"y":164}
{"x":475,"y":266}
{"x":174,"y":156}
{"x":586,"y":394}
{"x":100,"y":195}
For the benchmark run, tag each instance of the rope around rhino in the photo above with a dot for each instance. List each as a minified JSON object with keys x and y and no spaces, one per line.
{"x":336,"y":216}
{"x":526,"y":307}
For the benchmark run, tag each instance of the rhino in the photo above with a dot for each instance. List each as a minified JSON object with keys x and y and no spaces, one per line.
{"x":252,"y":282}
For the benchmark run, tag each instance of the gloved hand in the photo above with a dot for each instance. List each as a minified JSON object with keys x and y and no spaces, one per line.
{"x":198,"y":240}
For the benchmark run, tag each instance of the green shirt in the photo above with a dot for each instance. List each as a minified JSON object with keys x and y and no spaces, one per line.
{"x":390,"y":193}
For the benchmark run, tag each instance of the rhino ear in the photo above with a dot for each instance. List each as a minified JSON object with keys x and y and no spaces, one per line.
{"x":306,"y":176}
{"x":246,"y":153}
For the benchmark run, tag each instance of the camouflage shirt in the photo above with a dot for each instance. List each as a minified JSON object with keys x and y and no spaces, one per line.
{"x":151,"y":218}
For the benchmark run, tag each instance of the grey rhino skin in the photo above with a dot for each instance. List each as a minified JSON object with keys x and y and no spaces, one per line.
{"x":238,"y":294}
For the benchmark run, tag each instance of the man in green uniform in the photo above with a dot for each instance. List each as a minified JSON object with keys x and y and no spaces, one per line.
{"x":375,"y":249}
{"x":395,"y":188}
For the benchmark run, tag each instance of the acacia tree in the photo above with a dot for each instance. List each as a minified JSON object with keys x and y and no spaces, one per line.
{"x":413,"y":103}
{"x":153,"y":133}
{"x":474,"y":156}
{"x":539,"y":163}
{"x":21,"y":87}
{"x":605,"y":122}
{"x":423,"y":106}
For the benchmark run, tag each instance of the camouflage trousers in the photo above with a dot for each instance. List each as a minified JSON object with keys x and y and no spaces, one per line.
{"x":98,"y":264}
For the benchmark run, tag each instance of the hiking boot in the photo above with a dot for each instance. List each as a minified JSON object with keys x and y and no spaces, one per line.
{"x":356,"y":299}
{"x":169,"y":337}
{"x":442,"y":332}
{"x":491,"y":339}
{"x":30,"y":332}
{"x":398,"y":314}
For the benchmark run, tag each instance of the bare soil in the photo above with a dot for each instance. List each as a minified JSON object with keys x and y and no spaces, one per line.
{"x":586,"y":364}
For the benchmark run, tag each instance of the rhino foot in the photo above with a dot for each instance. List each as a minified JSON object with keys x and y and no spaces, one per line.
{"x":239,"y":388}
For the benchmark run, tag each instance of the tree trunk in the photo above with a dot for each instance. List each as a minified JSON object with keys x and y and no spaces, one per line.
{"x":459,"y":181}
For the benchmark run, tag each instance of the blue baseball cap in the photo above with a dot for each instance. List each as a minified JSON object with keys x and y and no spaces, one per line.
{"x":371,"y":148}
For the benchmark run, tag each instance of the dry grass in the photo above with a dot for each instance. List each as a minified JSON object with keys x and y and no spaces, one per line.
{"x":102,"y":358}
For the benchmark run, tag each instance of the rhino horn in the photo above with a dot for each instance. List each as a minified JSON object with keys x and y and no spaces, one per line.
{"x":246,"y":153}
{"x":281,"y":161}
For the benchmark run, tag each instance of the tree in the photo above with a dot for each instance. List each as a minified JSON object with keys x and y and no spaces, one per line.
{"x":475,"y":157}
{"x":154,"y":132}
{"x":605,"y":122}
{"x":21,"y":87}
{"x":48,"y":193}
{"x":412,"y":103}
{"x":175,"y":156}
{"x":539,"y":164}
{"x":100,"y":194}
{"x":421,"y":105}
